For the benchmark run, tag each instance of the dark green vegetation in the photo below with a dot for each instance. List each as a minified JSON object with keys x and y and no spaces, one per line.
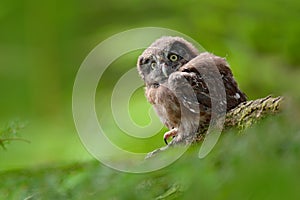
{"x":262,"y":163}
{"x":42,"y":44}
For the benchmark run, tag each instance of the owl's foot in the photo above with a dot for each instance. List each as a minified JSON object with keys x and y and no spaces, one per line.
{"x":171,"y":133}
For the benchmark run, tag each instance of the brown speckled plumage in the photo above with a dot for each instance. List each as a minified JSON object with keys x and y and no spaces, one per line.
{"x":174,"y":73}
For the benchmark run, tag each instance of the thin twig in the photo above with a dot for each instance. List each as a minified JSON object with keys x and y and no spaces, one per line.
{"x":19,"y":139}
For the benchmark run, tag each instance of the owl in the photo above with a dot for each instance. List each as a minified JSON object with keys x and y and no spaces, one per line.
{"x":175,"y":76}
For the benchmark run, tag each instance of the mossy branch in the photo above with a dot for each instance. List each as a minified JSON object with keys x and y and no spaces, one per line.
{"x":250,"y":112}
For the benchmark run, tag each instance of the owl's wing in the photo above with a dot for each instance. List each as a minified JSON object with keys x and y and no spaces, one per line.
{"x":210,"y":76}
{"x":196,"y":83}
{"x":180,"y":83}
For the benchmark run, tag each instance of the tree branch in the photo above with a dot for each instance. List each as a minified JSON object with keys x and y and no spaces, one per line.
{"x":247,"y":113}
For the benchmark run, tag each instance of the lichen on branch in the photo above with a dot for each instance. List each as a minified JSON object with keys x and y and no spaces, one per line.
{"x":249,"y":112}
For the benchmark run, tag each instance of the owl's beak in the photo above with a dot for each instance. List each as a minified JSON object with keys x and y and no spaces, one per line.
{"x":164,"y":70}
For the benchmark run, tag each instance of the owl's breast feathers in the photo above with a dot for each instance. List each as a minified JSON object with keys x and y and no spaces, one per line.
{"x":165,"y":104}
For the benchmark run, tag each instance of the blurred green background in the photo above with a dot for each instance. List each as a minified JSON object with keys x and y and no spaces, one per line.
{"x":43,"y":43}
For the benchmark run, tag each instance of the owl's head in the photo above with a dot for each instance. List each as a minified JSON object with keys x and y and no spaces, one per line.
{"x":164,"y":56}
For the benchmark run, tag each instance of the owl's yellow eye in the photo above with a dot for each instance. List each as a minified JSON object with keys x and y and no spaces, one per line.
{"x":153,"y":65}
{"x":173,"y":57}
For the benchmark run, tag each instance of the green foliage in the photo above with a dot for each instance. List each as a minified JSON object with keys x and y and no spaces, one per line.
{"x":262,"y":163}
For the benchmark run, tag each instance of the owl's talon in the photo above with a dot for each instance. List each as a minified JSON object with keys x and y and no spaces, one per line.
{"x":171,"y":133}
{"x":166,"y":141}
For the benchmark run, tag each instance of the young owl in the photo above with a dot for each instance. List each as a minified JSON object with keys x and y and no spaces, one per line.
{"x":174,"y":73}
